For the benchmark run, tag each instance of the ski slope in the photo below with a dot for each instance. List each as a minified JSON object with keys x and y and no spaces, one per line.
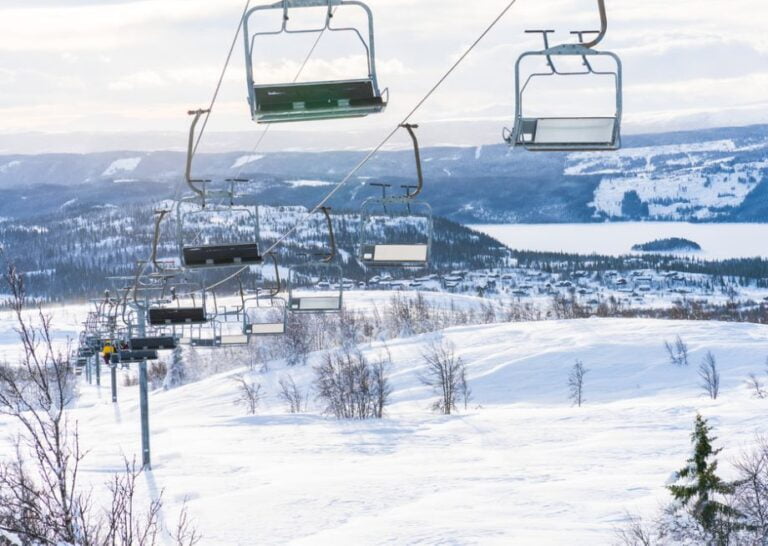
{"x":520,"y":466}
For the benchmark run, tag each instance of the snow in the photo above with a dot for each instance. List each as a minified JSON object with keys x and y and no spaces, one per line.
{"x":124,"y":165}
{"x":8,"y":166}
{"x":520,"y":466}
{"x":245,"y":160}
{"x":718,"y":241}
{"x":677,"y":182}
{"x":68,"y":204}
{"x":308,"y":183}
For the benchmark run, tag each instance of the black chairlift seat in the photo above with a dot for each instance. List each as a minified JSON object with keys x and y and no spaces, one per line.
{"x":177,"y":315}
{"x":152,"y":343}
{"x":204,"y":342}
{"x":128,"y":357}
{"x":316,"y":100}
{"x":221,"y":255}
{"x":81,"y":362}
{"x":565,"y":134}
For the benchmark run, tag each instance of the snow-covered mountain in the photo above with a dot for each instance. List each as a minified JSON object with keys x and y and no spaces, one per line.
{"x":708,"y":175}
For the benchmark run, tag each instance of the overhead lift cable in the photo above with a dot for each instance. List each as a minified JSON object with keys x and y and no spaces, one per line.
{"x":379,"y":146}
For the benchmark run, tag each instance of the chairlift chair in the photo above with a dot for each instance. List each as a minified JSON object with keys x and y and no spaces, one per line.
{"x":588,"y":132}
{"x":397,"y":231}
{"x":160,"y":343}
{"x":170,"y":312}
{"x":307,"y":101}
{"x":223,"y":236}
{"x":265,"y":316}
{"x":317,"y":286}
{"x":123,"y":357}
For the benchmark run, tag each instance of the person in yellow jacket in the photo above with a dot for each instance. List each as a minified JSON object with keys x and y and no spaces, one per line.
{"x":107,"y":351}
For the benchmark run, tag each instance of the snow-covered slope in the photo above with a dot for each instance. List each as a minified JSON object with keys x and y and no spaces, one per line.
{"x":519,"y":466}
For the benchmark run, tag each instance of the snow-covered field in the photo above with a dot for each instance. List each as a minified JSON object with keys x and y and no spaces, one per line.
{"x":718,"y":241}
{"x":519,"y":466}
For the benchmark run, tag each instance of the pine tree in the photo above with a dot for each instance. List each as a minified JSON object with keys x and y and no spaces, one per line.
{"x":177,"y":371}
{"x":702,"y":487}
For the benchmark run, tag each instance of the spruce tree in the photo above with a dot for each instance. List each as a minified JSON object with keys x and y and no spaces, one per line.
{"x":701,"y":487}
{"x":177,"y":372}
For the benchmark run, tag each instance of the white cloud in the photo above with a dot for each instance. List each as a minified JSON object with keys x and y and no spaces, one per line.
{"x":93,"y":65}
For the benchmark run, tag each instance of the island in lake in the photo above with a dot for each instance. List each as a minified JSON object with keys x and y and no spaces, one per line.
{"x":672,"y":244}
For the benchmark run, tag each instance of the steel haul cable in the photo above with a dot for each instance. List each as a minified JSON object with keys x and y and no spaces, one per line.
{"x":375,"y":150}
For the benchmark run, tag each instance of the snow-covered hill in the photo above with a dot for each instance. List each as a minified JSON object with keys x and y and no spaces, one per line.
{"x":519,"y":466}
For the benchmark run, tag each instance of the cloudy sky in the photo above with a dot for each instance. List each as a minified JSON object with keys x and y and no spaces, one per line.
{"x":133,"y":67}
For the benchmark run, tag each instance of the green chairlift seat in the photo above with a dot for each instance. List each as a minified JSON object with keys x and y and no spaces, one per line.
{"x":316,"y":100}
{"x":309,"y":101}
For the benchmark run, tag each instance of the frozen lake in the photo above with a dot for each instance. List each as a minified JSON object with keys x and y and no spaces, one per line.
{"x":718,"y":241}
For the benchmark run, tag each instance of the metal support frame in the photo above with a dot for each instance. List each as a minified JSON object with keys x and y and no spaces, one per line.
{"x":285,"y":6}
{"x":325,"y":263}
{"x":530,"y":126}
{"x":398,"y":255}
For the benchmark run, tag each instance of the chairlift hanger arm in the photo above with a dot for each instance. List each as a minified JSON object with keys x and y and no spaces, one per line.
{"x":417,"y":154}
{"x":160,"y":216}
{"x":331,"y":237}
{"x":603,"y":26}
{"x":191,"y":151}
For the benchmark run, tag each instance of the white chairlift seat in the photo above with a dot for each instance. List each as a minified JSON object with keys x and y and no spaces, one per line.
{"x":396,"y":254}
{"x":315,"y":304}
{"x":597,"y":133}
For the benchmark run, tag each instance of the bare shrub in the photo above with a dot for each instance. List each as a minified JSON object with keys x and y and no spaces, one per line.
{"x":576,"y":383}
{"x":41,"y":500}
{"x":752,"y":490}
{"x":678,"y":352}
{"x":756,"y":386}
{"x":635,"y":532}
{"x":350,"y":387}
{"x":446,"y":374}
{"x":249,"y":394}
{"x":291,"y":394}
{"x":710,"y":377}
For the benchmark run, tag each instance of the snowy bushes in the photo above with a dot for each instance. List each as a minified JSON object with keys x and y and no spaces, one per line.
{"x":41,"y":499}
{"x":352,"y":388}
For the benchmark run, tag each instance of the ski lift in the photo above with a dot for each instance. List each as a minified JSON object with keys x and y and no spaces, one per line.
{"x":171,"y":312}
{"x":306,"y":101}
{"x":266,"y":314}
{"x":590,"y":131}
{"x":214,"y":234}
{"x":317,"y":287}
{"x":397,"y":231}
{"x":123,"y":357}
{"x":162,"y":343}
